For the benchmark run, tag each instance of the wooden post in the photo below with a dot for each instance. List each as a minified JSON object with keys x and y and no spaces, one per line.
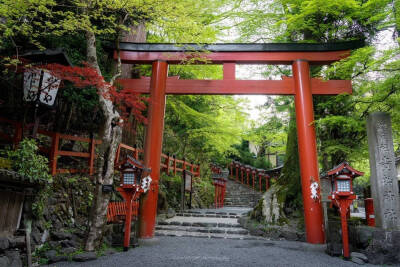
{"x":54,"y":153}
{"x":247,"y":176}
{"x":192,"y":167}
{"x":184,"y":165}
{"x":92,"y":146}
{"x":136,"y":152}
{"x":307,"y":146}
{"x":198,"y":170}
{"x":237,"y":172}
{"x":253,"y":175}
{"x":153,"y":147}
{"x":242,"y":173}
{"x":174,"y":164}
{"x":167,"y":162}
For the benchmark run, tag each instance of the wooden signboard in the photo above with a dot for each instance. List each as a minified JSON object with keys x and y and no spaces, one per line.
{"x":187,"y":176}
{"x":186,"y":187}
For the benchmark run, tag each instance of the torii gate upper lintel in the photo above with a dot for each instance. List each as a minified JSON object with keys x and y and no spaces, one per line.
{"x":299,"y":55}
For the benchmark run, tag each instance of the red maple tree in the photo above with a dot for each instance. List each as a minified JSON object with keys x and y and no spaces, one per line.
{"x":127,"y":102}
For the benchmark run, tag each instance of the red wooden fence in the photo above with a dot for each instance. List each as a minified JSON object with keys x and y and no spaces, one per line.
{"x":53,"y":152}
{"x":168,"y":164}
{"x":116,"y":211}
{"x":257,"y":179}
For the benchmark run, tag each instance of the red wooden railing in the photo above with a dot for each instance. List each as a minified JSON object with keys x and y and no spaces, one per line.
{"x":53,"y":152}
{"x":168,"y":164}
{"x":219,"y":182}
{"x":257,"y":179}
{"x":116,"y":211}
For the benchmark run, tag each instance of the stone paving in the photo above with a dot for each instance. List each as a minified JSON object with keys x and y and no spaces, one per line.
{"x":188,"y":251}
{"x":213,"y":237}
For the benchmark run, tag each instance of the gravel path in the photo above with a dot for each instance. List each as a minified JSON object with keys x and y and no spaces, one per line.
{"x":187,"y":251}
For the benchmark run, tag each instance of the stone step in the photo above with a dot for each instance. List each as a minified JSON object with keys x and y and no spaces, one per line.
{"x":239,"y":194}
{"x":241,"y":199}
{"x":200,"y":224}
{"x":242,"y":203}
{"x":238,"y":205}
{"x":208,"y":215}
{"x":205,"y":235}
{"x":210,"y":230}
{"x":211,"y":212}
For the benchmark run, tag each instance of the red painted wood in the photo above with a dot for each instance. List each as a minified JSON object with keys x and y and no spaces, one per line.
{"x":174,"y":165}
{"x":307,"y":146}
{"x":229,"y":71}
{"x":73,"y":154}
{"x":153,"y":147}
{"x":274,"y":58}
{"x":238,"y":87}
{"x":167,"y":162}
{"x":369,"y":211}
{"x":128,"y":221}
{"x":54,"y":153}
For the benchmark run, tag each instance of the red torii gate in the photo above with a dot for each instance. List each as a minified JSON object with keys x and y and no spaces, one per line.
{"x":299,"y":55}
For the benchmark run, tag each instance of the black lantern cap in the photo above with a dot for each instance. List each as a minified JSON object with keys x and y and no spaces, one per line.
{"x":137,"y":164}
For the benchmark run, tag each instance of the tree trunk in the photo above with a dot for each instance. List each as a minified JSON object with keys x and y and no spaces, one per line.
{"x":110,"y":136}
{"x":290,"y":186}
{"x":136,"y":35}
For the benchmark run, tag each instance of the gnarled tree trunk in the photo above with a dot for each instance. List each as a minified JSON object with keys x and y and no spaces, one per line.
{"x":110,"y":136}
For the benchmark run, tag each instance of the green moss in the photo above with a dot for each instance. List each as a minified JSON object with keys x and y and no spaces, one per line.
{"x":256,"y":213}
{"x":289,"y":190}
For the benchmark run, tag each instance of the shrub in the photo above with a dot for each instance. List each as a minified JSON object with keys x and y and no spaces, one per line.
{"x":28,"y":163}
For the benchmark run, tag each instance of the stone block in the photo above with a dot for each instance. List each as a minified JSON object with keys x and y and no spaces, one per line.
{"x":68,"y":250}
{"x":69,"y":244}
{"x":14,"y":257}
{"x":17,"y":242}
{"x":359,"y":255}
{"x":4,"y":243}
{"x":4,"y":262}
{"x":52,"y":256}
{"x":384,"y":187}
{"x":86,"y":256}
{"x":357,"y":261}
{"x":384,"y":247}
{"x":60,"y":235}
{"x":50,"y":253}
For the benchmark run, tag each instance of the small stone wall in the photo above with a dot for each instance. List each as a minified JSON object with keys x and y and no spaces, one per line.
{"x":380,"y":246}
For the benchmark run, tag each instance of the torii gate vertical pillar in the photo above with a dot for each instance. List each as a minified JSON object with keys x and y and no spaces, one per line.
{"x":308,"y":153}
{"x":153,"y":147}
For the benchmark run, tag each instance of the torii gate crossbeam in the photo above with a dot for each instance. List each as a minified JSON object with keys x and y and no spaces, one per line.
{"x":300,"y":56}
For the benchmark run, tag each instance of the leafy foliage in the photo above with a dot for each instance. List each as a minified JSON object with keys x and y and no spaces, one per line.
{"x":202,"y":127}
{"x":27,"y":162}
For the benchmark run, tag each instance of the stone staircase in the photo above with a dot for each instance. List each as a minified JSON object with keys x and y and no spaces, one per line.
{"x":239,"y":195}
{"x":220,"y":223}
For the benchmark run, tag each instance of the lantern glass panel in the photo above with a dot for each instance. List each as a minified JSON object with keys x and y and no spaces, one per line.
{"x":129,"y":178}
{"x":343,"y":185}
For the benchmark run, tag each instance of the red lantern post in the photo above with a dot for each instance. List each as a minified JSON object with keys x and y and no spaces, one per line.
{"x":342,"y":196}
{"x":132,"y":186}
